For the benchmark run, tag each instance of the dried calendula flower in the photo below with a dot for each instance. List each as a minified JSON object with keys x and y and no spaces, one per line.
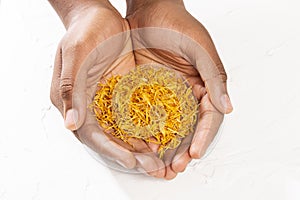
{"x":149,"y":103}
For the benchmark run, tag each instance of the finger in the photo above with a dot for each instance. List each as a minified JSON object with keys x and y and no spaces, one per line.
{"x":153,"y":145}
{"x":91,"y":135}
{"x":72,"y":85}
{"x":147,"y":159}
{"x":182,"y":157}
{"x":118,"y":141}
{"x":168,"y":156}
{"x":161,"y":168}
{"x":145,"y":164}
{"x":54,"y":91}
{"x":180,"y":164}
{"x":210,"y":120}
{"x":139,"y":145}
{"x":170,"y":174}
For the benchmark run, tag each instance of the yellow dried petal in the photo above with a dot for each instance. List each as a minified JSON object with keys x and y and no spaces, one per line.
{"x":148,"y":102}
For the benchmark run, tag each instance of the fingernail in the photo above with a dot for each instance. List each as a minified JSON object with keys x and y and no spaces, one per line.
{"x":121,"y":163}
{"x":139,"y":159}
{"x":176,"y":158}
{"x":196,"y":152}
{"x":226,"y":103}
{"x":71,"y":119}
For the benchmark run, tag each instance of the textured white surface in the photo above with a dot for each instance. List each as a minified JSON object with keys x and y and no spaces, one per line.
{"x":257,"y":156}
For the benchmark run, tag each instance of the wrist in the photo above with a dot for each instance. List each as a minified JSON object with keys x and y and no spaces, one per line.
{"x":134,"y":5}
{"x":67,"y":10}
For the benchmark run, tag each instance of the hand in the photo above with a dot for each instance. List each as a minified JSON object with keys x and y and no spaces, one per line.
{"x":97,"y":43}
{"x":169,"y":35}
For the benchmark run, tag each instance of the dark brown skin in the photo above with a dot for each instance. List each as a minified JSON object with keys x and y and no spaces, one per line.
{"x":78,"y":67}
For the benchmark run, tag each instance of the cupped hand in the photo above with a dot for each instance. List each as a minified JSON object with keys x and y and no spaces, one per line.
{"x":164,"y":32}
{"x":97,"y":44}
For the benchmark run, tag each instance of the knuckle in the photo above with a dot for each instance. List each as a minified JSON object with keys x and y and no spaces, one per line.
{"x":74,"y":46}
{"x":223,"y":76}
{"x":218,"y":73}
{"x":66,"y":88}
{"x":222,"y":73}
{"x":206,"y":129}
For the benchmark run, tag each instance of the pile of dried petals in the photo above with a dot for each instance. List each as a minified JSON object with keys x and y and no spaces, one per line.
{"x":149,"y":103}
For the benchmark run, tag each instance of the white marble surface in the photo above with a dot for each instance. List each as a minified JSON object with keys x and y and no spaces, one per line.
{"x":256,"y":157}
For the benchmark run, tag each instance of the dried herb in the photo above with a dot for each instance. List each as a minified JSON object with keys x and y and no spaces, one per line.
{"x":149,"y":102}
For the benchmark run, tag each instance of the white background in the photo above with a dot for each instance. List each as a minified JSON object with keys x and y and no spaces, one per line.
{"x":256,"y":157}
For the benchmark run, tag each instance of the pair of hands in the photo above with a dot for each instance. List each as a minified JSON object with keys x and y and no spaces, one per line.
{"x":99,"y":42}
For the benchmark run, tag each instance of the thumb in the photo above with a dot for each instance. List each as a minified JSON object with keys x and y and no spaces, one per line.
{"x":213,"y":76}
{"x":204,"y":56}
{"x":199,"y":49}
{"x":72,"y":88}
{"x":215,"y":84}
